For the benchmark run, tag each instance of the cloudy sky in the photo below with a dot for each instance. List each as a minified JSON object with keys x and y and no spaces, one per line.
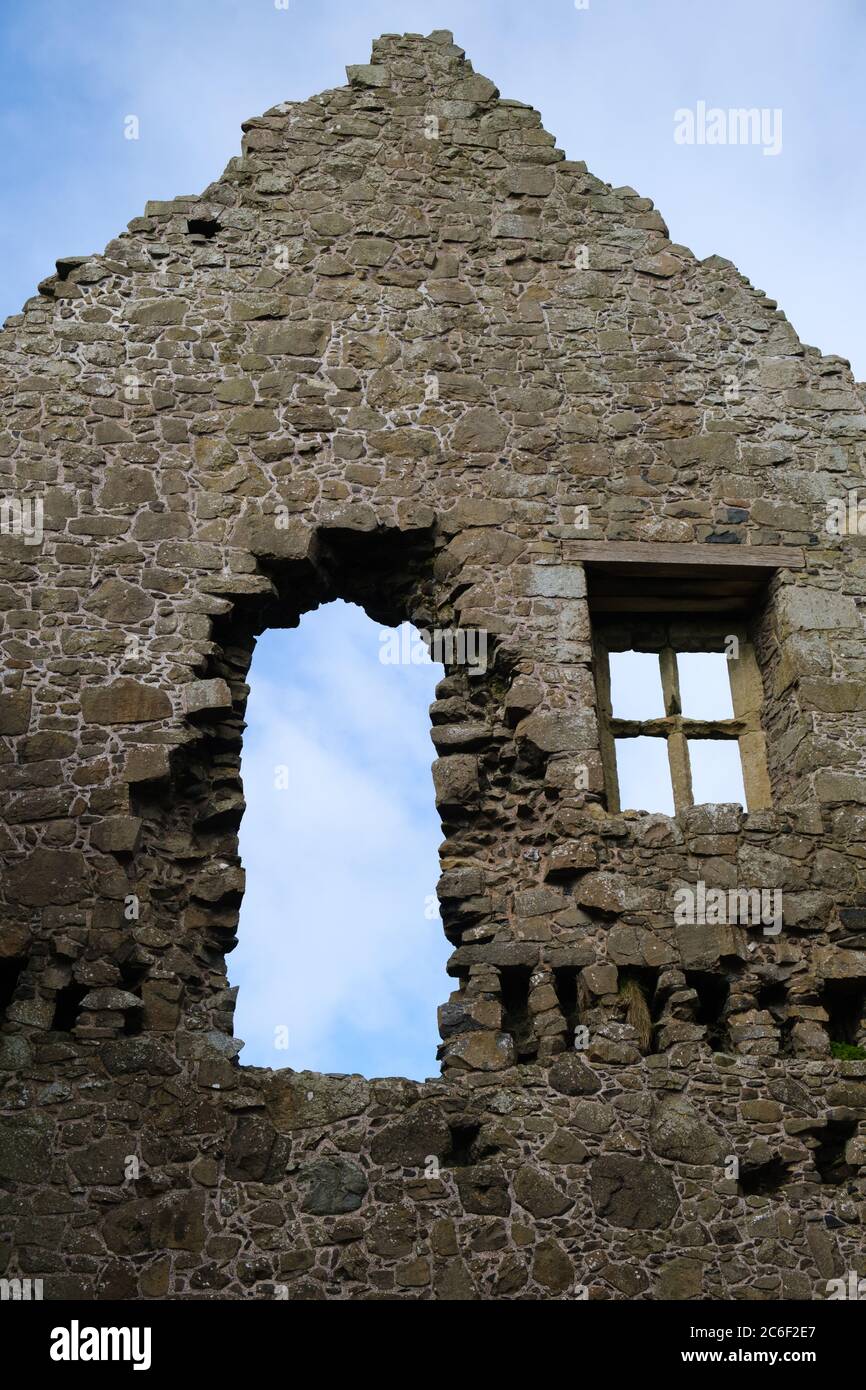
{"x":339,"y":942}
{"x":335,"y":945}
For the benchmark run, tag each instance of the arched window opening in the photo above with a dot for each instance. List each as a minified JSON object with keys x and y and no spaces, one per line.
{"x":340,"y":963}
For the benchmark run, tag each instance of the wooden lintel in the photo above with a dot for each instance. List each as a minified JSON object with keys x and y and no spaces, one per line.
{"x":687,"y":554}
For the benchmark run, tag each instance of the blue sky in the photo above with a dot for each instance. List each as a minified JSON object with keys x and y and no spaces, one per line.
{"x":339,"y":941}
{"x":607,"y":81}
{"x":334,"y":942}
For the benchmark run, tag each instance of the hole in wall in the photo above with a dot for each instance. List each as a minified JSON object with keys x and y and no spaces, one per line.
{"x":773,"y":996}
{"x":845,"y":1003}
{"x":340,"y":961}
{"x":10,"y":973}
{"x":464,"y":1138}
{"x":773,"y":999}
{"x":67,"y":1005}
{"x":829,"y":1157}
{"x":565,"y":985}
{"x":514,"y":981}
{"x":638,"y":1004}
{"x":203,"y":226}
{"x":132,"y":977}
{"x":763,"y":1179}
{"x":713,"y":990}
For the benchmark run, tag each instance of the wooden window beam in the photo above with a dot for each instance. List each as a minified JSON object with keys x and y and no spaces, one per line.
{"x":688,"y":554}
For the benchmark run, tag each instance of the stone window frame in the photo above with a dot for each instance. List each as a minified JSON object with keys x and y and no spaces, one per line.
{"x":684,"y":635}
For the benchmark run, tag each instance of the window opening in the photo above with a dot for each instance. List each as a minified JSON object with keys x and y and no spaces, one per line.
{"x":340,"y":956}
{"x":705,"y":745}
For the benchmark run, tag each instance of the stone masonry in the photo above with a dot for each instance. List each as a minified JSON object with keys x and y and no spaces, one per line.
{"x":391,"y":356}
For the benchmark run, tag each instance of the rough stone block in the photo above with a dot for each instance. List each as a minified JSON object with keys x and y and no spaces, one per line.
{"x":15,"y":706}
{"x":202,"y":696}
{"x":367,"y":75}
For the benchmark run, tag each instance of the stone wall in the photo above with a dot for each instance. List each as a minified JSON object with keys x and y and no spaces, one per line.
{"x":598,"y":1181}
{"x":389,"y":356}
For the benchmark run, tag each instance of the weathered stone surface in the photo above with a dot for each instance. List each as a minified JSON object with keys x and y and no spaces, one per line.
{"x":117,"y":834}
{"x":103,"y":1163}
{"x":538,"y":1194}
{"x":412,"y":1140}
{"x":453,"y":1283}
{"x":564,"y":1148}
{"x":150,"y":763}
{"x":834,"y":964}
{"x":256,"y":1153}
{"x":593,"y":1117}
{"x":819,"y":609}
{"x":480,"y":432}
{"x":394,"y":1232}
{"x":160,"y":311}
{"x":15,"y":1053}
{"x":605,"y":892}
{"x":138,"y":1054}
{"x":571,"y":1076}
{"x":455,"y":780}
{"x":307,"y":1100}
{"x":174,"y":1221}
{"x":116,"y":1000}
{"x":331,"y":1185}
{"x":554,"y":581}
{"x":49,"y":876}
{"x":431,"y":376}
{"x":126,"y":1229}
{"x":125,"y":702}
{"x":367,"y":74}
{"x":119,"y":602}
{"x":127,"y":487}
{"x":557,"y":733}
{"x":551,"y":1267}
{"x":681,"y":1279}
{"x":483,"y":1051}
{"x":15,"y":708}
{"x":203,"y":696}
{"x":633,"y":1192}
{"x":679,"y":1133}
{"x":25,"y":1148}
{"x":483,"y":1191}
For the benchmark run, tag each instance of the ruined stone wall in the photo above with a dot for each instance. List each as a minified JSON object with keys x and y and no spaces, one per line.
{"x":388,"y":357}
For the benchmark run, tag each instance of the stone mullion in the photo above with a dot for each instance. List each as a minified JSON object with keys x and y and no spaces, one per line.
{"x":747,"y":694}
{"x":681,"y":770}
{"x":678,"y":744}
{"x":607,"y":742}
